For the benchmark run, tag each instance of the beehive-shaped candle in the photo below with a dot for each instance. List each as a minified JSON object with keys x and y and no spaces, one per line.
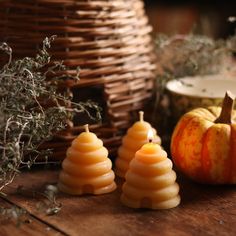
{"x":135,"y":138}
{"x":87,"y":168}
{"x":150,"y":180}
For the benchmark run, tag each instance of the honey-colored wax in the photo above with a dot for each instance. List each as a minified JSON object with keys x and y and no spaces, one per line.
{"x":135,"y":138}
{"x":150,"y":181}
{"x":87,"y":168}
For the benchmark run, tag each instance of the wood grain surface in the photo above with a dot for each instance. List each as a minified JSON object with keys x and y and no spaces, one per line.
{"x":204,"y":210}
{"x":29,"y":225}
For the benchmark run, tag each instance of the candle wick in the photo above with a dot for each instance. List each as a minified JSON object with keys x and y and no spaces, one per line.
{"x":141,"y":114}
{"x":150,"y":140}
{"x":86,"y":127}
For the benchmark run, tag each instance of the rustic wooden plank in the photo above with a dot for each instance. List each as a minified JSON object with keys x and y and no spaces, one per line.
{"x":205,"y":210}
{"x":31,"y":226}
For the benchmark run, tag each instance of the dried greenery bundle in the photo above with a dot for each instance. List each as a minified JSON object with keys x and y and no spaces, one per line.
{"x":24,"y":120}
{"x":184,"y":55}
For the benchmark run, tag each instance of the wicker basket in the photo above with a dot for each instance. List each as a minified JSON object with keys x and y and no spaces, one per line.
{"x":108,"y":39}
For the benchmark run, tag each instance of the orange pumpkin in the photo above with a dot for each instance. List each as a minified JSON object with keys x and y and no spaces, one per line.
{"x":203,"y":145}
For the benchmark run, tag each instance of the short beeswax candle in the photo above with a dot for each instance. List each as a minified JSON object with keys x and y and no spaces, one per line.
{"x":135,"y":138}
{"x":87,"y":168}
{"x":150,"y":180}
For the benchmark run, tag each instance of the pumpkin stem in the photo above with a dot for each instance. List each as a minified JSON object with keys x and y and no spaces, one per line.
{"x":227,"y":108}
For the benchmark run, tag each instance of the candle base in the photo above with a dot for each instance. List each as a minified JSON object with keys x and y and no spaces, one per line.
{"x":147,"y":203}
{"x":87,"y":189}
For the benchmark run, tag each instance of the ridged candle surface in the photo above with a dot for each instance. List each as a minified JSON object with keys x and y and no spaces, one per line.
{"x":135,"y":138}
{"x":150,"y":180}
{"x":87,"y":168}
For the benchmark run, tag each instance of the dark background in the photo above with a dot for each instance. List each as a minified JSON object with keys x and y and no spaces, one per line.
{"x":205,"y":17}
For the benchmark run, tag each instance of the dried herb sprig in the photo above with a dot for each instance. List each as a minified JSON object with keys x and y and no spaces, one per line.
{"x":16,"y":214}
{"x":46,"y":203}
{"x":46,"y":200}
{"x":25,"y":121}
{"x":50,"y":205}
{"x":184,"y":55}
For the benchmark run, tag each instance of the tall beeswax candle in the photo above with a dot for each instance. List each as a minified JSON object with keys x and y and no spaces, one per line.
{"x":150,"y":180}
{"x":135,"y":138}
{"x":87,"y":168}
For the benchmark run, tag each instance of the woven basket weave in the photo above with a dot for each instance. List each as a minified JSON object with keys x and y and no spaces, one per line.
{"x":108,"y":39}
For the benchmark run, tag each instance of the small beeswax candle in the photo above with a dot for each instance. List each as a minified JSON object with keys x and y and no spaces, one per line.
{"x":150,"y":180}
{"x":135,"y":138}
{"x":87,"y":168}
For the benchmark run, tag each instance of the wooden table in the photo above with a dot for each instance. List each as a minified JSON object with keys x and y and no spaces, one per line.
{"x":205,"y":210}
